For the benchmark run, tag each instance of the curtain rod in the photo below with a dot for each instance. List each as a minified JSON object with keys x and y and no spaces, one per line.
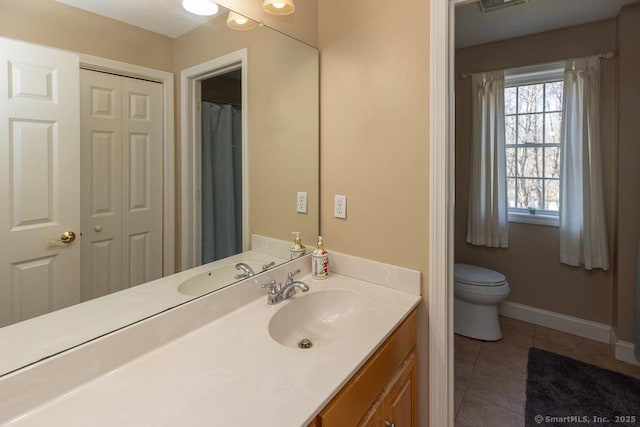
{"x":605,"y":55}
{"x":211,"y":101}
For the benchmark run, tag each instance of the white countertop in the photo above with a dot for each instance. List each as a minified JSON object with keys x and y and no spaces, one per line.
{"x":230,"y":372}
{"x":31,"y":340}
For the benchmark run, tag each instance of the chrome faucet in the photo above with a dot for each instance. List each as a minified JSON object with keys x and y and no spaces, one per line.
{"x":247,"y":270}
{"x":278,"y":293}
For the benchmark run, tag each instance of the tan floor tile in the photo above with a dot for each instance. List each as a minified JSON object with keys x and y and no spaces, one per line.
{"x":458,"y":392}
{"x":490,"y":377}
{"x":583,"y":354}
{"x":499,"y":386}
{"x":462,"y":372}
{"x":570,"y":343}
{"x":505,"y":354}
{"x":466,"y":349}
{"x":516,"y":327}
{"x":516,"y":332}
{"x":622,"y":367}
{"x":477,"y":412}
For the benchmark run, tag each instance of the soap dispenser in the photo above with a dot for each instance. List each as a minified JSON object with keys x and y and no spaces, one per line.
{"x":320,"y":261}
{"x":297,"y":249}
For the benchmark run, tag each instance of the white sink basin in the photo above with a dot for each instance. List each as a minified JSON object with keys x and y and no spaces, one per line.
{"x":214,"y":279}
{"x":321,"y":317}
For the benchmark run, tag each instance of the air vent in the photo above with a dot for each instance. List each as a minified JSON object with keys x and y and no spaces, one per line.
{"x":491,"y":5}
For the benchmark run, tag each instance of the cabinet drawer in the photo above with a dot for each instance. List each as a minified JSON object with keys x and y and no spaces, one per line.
{"x":356,"y":398}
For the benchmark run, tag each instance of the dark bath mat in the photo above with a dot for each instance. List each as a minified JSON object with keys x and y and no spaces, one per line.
{"x":566,"y":392}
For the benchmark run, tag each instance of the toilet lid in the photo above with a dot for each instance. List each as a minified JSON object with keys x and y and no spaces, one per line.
{"x":474,"y":275}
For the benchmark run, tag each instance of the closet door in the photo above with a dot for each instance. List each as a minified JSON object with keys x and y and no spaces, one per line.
{"x":39,"y":180}
{"x":142,"y":181}
{"x":101,"y":135}
{"x":122,"y":182}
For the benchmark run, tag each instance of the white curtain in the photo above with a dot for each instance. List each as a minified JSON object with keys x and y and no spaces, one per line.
{"x":487,"y":219}
{"x":583,"y":232}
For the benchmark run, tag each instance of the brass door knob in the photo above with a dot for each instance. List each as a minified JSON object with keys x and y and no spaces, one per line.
{"x":68,"y":237}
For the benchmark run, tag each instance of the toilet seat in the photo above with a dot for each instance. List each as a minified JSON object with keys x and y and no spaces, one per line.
{"x":473,"y":275}
{"x":470,"y":289}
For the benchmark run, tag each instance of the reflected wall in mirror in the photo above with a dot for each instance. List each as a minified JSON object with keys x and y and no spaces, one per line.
{"x":282,"y":76}
{"x":43,"y":123}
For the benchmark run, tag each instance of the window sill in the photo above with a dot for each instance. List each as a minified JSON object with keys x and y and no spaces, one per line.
{"x":536,"y":219}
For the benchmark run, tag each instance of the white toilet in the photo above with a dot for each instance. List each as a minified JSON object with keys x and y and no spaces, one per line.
{"x":478,"y":293}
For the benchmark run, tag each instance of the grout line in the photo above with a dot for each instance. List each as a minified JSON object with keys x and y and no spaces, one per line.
{"x":466,"y":383}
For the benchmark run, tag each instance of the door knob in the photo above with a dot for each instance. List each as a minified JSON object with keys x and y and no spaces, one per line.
{"x":68,"y":237}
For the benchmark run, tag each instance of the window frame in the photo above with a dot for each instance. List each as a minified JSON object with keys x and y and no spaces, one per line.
{"x":539,"y":74}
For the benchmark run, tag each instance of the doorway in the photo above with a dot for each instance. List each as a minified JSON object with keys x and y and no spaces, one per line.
{"x":221,"y":163}
{"x":195,"y":83}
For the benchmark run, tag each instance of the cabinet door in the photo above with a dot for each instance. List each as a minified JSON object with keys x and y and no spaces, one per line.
{"x":400,"y":400}
{"x":375,"y":416}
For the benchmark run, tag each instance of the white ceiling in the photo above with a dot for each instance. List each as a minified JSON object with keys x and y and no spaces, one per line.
{"x":474,"y":27}
{"x":160,"y":16}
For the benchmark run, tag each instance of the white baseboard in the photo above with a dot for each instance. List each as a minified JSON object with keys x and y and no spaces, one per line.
{"x":561,"y":322}
{"x":623,"y":350}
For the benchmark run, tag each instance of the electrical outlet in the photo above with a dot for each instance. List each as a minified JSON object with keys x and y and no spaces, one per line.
{"x":301,"y":202}
{"x":340,"y":206}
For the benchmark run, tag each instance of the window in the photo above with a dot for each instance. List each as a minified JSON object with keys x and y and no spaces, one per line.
{"x":533,"y":115}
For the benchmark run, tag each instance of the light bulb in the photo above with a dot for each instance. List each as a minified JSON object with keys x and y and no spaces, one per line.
{"x":235,"y":21}
{"x":200,"y":7}
{"x":279,"y":7}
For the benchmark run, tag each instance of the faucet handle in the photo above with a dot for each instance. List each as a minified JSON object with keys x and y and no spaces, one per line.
{"x":272,"y":285}
{"x":292,"y":273}
{"x":265,"y":267}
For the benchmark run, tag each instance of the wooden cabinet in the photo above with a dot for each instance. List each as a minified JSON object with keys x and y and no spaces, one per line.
{"x":399,"y":399}
{"x":383,"y":392}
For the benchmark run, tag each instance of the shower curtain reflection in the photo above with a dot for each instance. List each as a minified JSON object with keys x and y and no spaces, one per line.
{"x":221,"y":181}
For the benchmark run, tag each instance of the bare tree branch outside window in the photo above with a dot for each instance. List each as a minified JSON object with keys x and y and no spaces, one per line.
{"x":533,"y":114}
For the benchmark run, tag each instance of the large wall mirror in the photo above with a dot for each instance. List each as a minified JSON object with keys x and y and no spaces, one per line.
{"x":170,"y":145}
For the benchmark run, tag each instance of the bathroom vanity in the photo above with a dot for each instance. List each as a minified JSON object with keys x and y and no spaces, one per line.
{"x":232,"y":359}
{"x":384,"y":391}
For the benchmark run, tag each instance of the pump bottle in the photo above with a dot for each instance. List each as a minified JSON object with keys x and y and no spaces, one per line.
{"x":297,"y":249}
{"x":320,"y":261}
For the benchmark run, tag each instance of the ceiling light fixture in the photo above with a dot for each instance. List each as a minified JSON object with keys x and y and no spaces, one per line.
{"x":279,"y":7}
{"x":235,"y":21}
{"x":200,"y":7}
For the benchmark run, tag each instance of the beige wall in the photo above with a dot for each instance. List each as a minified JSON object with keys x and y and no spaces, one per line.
{"x":283,"y":122}
{"x":629,"y":172}
{"x":303,"y":24}
{"x":49,"y":23}
{"x":531,"y":263}
{"x":374,"y":137}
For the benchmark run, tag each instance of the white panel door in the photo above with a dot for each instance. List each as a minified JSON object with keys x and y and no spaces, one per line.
{"x":39,"y":180}
{"x":101,"y":135}
{"x":142,"y":181}
{"x":121,"y":182}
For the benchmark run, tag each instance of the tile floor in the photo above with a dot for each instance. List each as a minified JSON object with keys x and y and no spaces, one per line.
{"x":491,"y":377}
